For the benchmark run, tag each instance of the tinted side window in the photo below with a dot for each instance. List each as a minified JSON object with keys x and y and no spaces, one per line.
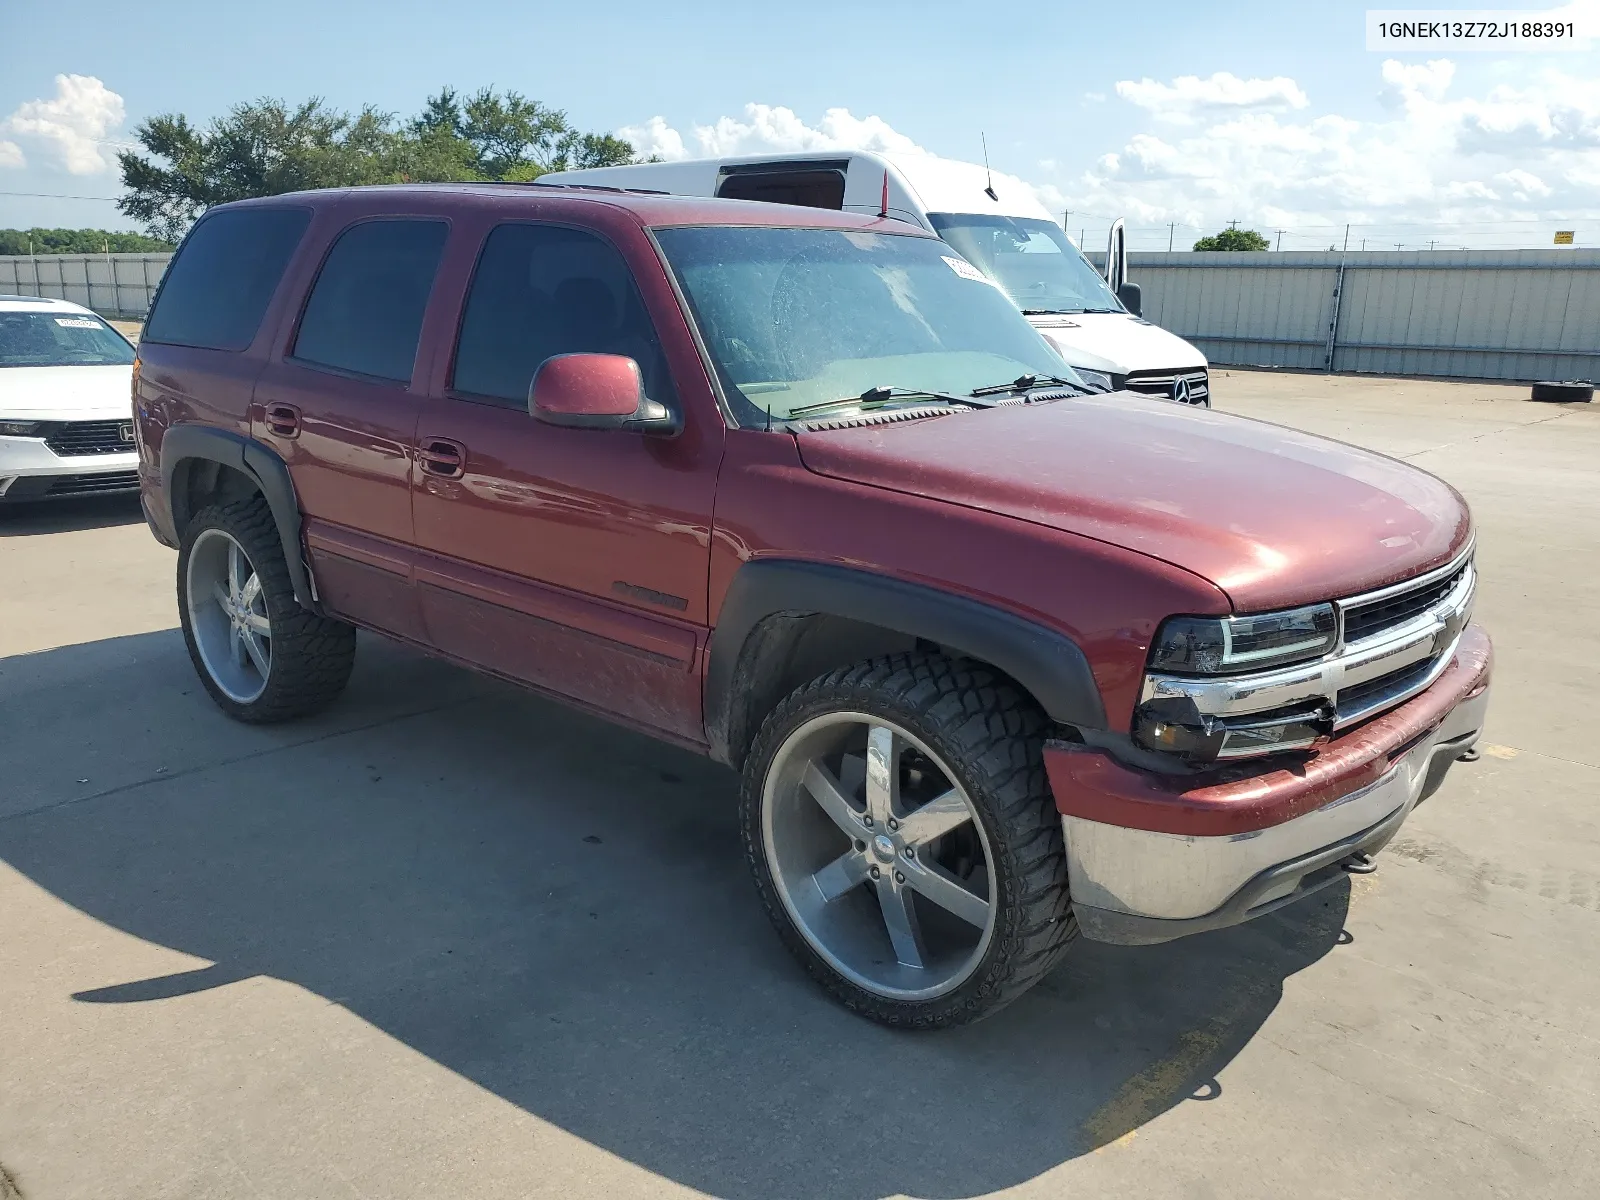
{"x":810,"y":189}
{"x":540,"y":290}
{"x":218,"y":288}
{"x":365,"y":310}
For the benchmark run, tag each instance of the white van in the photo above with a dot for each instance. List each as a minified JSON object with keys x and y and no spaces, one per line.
{"x":993,"y":220}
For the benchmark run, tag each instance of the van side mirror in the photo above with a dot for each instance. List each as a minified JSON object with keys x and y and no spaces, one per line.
{"x":1132,"y":297}
{"x":596,"y":391}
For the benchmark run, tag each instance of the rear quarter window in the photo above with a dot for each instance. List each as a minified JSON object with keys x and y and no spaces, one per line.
{"x":218,"y":287}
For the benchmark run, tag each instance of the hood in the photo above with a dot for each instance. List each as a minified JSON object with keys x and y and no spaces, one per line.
{"x":66,"y":393}
{"x":1272,"y":516}
{"x":1116,"y":343}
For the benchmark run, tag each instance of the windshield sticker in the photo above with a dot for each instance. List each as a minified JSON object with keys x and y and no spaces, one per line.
{"x":965,"y":269}
{"x":78,"y":322}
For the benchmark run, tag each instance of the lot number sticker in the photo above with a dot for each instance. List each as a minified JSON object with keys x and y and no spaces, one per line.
{"x":965,"y":269}
{"x":78,"y":322}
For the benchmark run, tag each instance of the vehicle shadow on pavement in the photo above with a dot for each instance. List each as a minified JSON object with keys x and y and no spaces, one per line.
{"x":558,"y":911}
{"x":62,"y":516}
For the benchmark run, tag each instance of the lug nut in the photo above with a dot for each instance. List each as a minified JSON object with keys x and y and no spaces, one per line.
{"x":911,"y":851}
{"x":860,"y":845}
{"x":899,"y":878}
{"x":867,"y":821}
{"x":875,"y":872}
{"x":893,"y":824}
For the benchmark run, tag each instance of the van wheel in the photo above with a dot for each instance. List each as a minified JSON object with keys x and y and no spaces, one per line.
{"x":262,"y":657}
{"x":904,"y":842}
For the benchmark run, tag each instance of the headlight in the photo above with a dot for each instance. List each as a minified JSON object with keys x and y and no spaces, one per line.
{"x":18,"y":428}
{"x":1228,"y":645}
{"x":1098,"y":380}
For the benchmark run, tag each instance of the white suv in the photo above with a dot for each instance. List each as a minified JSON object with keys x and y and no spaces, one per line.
{"x":66,"y":416}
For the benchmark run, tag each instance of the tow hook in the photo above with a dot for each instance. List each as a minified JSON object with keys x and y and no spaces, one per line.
{"x":1468,"y":755}
{"x":1360,"y":863}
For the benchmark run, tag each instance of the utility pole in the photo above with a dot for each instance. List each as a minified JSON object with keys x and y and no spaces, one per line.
{"x":1171,"y":227}
{"x":1066,"y":218}
{"x":1347,"y":238}
{"x":1398,"y":245}
{"x":1279,"y":245}
{"x":1430,"y":243}
{"x":1233,"y":224}
{"x":1363,"y":244}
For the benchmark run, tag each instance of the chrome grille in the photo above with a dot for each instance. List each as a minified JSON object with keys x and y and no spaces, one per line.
{"x":1165,"y":384}
{"x":77,"y":439}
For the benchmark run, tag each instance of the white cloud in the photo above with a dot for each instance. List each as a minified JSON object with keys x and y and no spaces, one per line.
{"x":70,"y":128}
{"x":1189,"y":97}
{"x":767,"y":129}
{"x":1513,"y":152}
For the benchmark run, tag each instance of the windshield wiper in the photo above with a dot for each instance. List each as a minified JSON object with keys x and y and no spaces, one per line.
{"x":1054,"y":312}
{"x":1028,"y":383}
{"x":879,"y":396}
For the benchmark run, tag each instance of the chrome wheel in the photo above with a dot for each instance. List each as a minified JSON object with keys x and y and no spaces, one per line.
{"x":878,"y":856}
{"x":228,"y":616}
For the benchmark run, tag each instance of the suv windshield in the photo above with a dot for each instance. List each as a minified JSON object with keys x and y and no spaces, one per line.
{"x":1031,"y":259}
{"x":60,"y":339}
{"x":795,"y":318}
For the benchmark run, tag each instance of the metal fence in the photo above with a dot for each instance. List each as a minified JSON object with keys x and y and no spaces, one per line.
{"x":114,"y":285}
{"x":1481,"y":314}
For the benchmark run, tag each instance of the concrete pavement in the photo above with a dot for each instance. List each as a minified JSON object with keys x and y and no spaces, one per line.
{"x":449,"y":939}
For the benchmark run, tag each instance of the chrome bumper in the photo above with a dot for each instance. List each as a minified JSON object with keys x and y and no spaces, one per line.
{"x":1138,"y":887}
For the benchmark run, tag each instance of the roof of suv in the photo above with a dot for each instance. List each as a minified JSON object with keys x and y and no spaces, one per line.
{"x":649,"y":208}
{"x":39,"y":304}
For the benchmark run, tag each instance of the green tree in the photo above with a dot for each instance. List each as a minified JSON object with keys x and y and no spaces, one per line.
{"x":266,"y":148}
{"x":78,"y":241}
{"x":1234,"y":239}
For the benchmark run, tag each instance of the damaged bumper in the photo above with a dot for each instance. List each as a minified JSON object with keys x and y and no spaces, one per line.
{"x":1152,"y":858}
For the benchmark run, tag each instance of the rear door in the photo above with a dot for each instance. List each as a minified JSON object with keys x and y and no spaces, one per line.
{"x":339,"y":404}
{"x":572,"y":559}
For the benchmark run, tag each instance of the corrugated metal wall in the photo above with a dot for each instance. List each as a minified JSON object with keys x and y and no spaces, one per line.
{"x":1486,"y":314}
{"x":114,"y":285}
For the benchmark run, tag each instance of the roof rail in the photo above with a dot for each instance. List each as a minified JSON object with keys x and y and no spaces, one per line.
{"x":585,"y":187}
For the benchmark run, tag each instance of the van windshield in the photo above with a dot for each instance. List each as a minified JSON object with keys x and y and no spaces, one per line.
{"x":796,"y":318}
{"x":60,"y":338}
{"x":1031,"y":259}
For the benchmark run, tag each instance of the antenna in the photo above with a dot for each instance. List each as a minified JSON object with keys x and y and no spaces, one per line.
{"x":883,"y":205}
{"x":988,"y":179}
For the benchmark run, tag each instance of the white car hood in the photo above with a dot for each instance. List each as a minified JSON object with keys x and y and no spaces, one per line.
{"x":66,"y":393}
{"x":1116,"y":343}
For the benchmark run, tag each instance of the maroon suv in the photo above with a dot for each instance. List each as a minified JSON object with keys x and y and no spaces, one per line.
{"x":999,"y":659}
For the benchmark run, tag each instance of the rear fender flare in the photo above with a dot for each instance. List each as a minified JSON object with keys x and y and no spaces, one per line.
{"x":257,"y":462}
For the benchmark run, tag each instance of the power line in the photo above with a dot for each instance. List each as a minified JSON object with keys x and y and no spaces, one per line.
{"x":58,"y":196}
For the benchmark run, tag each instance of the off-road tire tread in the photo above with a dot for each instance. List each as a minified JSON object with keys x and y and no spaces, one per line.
{"x":992,"y":735}
{"x":312,"y":655}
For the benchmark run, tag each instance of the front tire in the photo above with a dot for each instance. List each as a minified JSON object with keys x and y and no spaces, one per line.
{"x":260,"y":655}
{"x":900,"y":828}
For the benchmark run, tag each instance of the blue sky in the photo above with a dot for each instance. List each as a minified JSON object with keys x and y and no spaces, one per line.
{"x":1287,"y":121}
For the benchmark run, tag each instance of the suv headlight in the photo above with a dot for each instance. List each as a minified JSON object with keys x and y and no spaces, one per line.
{"x":1098,"y":380}
{"x":1229,"y":645}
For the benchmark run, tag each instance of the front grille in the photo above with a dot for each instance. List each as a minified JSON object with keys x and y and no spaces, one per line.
{"x":1356,"y":699}
{"x":78,"y":439}
{"x":1367,"y":620}
{"x":1165,"y":384}
{"x":88,"y":485}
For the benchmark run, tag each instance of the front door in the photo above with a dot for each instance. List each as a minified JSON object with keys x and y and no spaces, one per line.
{"x":339,"y":406}
{"x":572,"y":559}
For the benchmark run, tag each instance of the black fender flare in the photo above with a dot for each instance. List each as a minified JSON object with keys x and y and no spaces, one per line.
{"x":1046,"y":662}
{"x":257,"y":462}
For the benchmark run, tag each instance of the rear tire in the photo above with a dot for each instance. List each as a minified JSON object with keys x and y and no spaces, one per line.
{"x":1571,"y":391}
{"x":260,"y":655}
{"x":904,"y":842}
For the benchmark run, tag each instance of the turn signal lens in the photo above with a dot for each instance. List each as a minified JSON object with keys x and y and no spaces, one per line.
{"x":1228,"y":645}
{"x":18,"y":428}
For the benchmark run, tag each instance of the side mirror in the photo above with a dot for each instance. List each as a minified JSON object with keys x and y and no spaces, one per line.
{"x":596,"y":391}
{"x":1132,"y":297}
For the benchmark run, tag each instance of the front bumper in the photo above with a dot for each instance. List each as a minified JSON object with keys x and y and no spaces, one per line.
{"x":1152,"y":858}
{"x":30,"y":470}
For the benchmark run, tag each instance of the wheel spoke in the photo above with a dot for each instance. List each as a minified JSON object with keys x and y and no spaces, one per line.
{"x":941,"y":889}
{"x":901,"y":920}
{"x":935,"y":818}
{"x":825,"y":791}
{"x":883,"y":773}
{"x":236,"y":645}
{"x":251,"y":591}
{"x":237,"y":568}
{"x":838,"y":877}
{"x":221,"y":595}
{"x":256,"y":651}
{"x":258,"y":624}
